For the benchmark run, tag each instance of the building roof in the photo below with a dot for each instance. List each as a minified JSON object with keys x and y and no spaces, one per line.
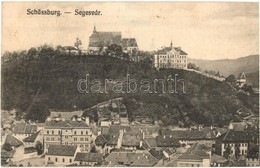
{"x":165,"y":50}
{"x":66,"y":123}
{"x":145,"y":161}
{"x":236,"y":136}
{"x":167,"y":141}
{"x":19,"y":128}
{"x":104,"y":38}
{"x":196,"y":152}
{"x":128,"y":42}
{"x":102,"y":139}
{"x":131,"y":140}
{"x":89,"y":157}
{"x":190,"y":134}
{"x":61,"y":150}
{"x":128,"y":158}
{"x":113,"y":141}
{"x":32,"y":137}
{"x":30,"y":129}
{"x":65,"y":115}
{"x":24,"y":128}
{"x":13,"y":141}
{"x":114,"y":129}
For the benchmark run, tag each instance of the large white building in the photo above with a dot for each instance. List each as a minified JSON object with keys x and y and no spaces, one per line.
{"x":75,"y":132}
{"x":171,"y":57}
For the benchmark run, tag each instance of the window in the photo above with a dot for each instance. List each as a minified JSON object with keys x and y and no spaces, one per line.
{"x":86,"y":139}
{"x":81,"y":132}
{"x":87,"y":132}
{"x":81,"y":139}
{"x":49,"y":158}
{"x":47,"y":139}
{"x":59,"y":132}
{"x":63,"y":160}
{"x":52,"y":132}
{"x":56,"y":159}
{"x":47,"y":132}
{"x":70,"y":160}
{"x":75,"y":132}
{"x":75,"y":139}
{"x":245,"y":145}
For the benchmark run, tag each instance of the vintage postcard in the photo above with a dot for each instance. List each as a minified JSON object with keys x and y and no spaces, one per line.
{"x":135,"y":84}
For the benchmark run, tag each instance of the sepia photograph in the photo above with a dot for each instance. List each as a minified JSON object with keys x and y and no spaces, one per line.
{"x":129,"y":84}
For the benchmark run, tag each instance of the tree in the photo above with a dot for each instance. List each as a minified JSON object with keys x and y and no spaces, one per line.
{"x":77,"y":44}
{"x":193,"y":66}
{"x":7,"y":147}
{"x":237,"y":151}
{"x":231,"y":79}
{"x":227,"y":151}
{"x":39,"y":147}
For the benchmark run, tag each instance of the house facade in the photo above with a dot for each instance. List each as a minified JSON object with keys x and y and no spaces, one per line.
{"x":171,"y":57}
{"x":61,"y":154}
{"x":68,"y":132}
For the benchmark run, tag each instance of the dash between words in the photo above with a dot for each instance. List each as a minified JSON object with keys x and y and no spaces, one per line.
{"x":129,"y":85}
{"x":77,"y":12}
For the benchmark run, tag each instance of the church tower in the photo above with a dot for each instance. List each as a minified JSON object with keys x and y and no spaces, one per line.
{"x":171,"y":43}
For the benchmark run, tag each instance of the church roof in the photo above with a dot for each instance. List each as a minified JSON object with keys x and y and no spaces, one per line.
{"x":128,"y":42}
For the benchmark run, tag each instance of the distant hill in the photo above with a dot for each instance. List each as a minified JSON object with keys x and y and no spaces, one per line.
{"x":226,"y":67}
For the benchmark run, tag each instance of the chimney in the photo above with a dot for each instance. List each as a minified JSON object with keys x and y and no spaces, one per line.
{"x":87,"y":120}
{"x":170,"y":136}
{"x":141,"y":143}
{"x":164,"y":136}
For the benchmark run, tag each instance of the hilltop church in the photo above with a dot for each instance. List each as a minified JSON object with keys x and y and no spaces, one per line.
{"x":99,"y":41}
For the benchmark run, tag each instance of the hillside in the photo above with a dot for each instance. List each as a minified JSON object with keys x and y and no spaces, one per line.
{"x":226,"y":67}
{"x":36,"y":81}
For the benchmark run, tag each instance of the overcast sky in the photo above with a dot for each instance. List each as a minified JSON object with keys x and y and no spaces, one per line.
{"x":203,"y":30}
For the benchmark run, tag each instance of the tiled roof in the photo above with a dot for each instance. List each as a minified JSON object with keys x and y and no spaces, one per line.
{"x":30,"y":129}
{"x":151,"y":142}
{"x":66,"y":123}
{"x":105,"y":39}
{"x":89,"y":157}
{"x":236,"y":136}
{"x":32,"y":137}
{"x":65,"y":115}
{"x":24,"y":128}
{"x":195,"y":152}
{"x":190,"y":134}
{"x":102,"y":139}
{"x":113,"y":141}
{"x":128,"y":158}
{"x":13,"y":141}
{"x":114,"y":129}
{"x":145,"y":161}
{"x":128,"y":42}
{"x":131,"y":140}
{"x":165,"y":50}
{"x":167,"y":141}
{"x":19,"y":128}
{"x":61,"y":150}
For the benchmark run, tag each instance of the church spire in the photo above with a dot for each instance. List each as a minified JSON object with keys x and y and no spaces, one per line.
{"x":94,"y":28}
{"x":171,"y":43}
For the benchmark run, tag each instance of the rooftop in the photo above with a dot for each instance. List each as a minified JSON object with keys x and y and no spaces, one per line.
{"x":32,"y":137}
{"x":66,"y":123}
{"x":13,"y":141}
{"x":61,"y":150}
{"x":89,"y":157}
{"x":196,"y":152}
